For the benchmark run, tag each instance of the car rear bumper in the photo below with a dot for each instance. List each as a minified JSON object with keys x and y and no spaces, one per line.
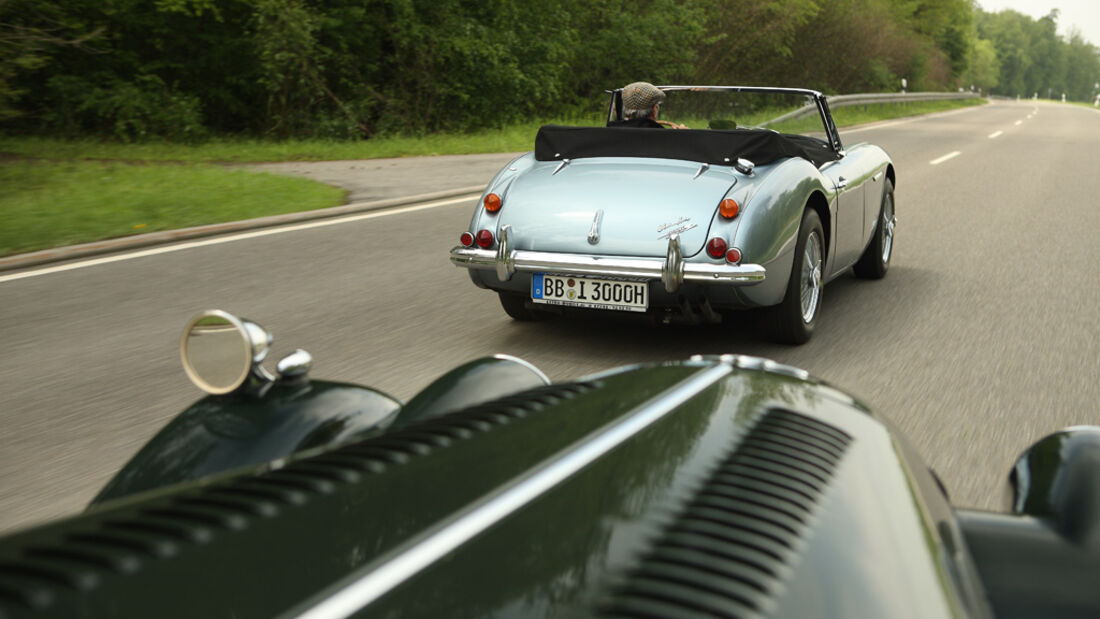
{"x":672,"y":270}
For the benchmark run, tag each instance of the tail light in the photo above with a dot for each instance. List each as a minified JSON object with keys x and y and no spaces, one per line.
{"x":716,"y":247}
{"x":733,"y":256}
{"x":466,"y":239}
{"x":728,"y":208}
{"x":484,"y":239}
{"x":492,"y":202}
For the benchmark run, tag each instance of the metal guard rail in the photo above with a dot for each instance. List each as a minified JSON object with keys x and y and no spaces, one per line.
{"x":872,"y":98}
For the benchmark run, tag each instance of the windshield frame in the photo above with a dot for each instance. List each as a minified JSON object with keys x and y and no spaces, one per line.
{"x":821,"y":103}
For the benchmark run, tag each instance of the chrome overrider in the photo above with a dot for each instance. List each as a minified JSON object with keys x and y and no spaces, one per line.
{"x":672,"y":271}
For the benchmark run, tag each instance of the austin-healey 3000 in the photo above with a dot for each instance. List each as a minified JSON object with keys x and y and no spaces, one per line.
{"x":756,"y":205}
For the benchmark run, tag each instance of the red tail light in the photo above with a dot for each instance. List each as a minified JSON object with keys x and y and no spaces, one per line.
{"x":716,"y":247}
{"x":484,"y":239}
{"x":466,"y":239}
{"x":733,"y":256}
{"x":728,"y":208}
{"x":492,"y":203}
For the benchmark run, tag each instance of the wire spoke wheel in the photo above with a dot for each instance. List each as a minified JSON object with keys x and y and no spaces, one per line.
{"x":811,"y":277}
{"x":887,"y":228}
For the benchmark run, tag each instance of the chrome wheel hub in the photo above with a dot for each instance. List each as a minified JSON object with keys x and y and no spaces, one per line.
{"x":811,"y":277}
{"x":888,"y":223}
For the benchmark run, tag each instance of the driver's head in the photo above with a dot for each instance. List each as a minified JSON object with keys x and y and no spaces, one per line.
{"x":639,"y":100}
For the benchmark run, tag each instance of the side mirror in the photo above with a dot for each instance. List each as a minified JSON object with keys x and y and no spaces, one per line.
{"x":222,"y":353}
{"x":1058,"y":479}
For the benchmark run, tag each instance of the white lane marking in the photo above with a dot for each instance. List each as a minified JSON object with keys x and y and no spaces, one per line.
{"x":950,"y":155}
{"x":1019,"y":122}
{"x":995,"y":134}
{"x":229,"y":239}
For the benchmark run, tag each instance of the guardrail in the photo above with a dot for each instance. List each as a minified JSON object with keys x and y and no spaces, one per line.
{"x":895,"y":97}
{"x":872,"y":99}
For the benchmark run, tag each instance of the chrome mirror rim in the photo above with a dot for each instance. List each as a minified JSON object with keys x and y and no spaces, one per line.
{"x":254,"y":340}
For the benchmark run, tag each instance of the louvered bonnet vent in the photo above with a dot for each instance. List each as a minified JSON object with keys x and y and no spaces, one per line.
{"x":730,"y":550}
{"x":122,"y":542}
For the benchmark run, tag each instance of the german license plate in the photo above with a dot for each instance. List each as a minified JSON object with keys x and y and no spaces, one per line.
{"x":608,"y":294}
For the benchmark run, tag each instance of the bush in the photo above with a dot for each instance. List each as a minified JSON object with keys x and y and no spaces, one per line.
{"x":130,"y":111}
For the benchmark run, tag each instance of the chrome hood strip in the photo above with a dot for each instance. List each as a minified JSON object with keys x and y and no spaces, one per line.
{"x":379,"y":577}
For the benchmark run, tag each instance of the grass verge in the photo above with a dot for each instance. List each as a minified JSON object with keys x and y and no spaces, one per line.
{"x":227,"y":150}
{"x":51,"y":204}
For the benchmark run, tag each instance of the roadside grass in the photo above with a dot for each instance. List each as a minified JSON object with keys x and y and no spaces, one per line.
{"x":52,"y":204}
{"x":859,"y":114}
{"x":518,"y":137}
{"x":62,"y":192}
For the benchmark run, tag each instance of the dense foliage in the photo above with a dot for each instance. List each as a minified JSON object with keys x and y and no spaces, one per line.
{"x":184,"y":69}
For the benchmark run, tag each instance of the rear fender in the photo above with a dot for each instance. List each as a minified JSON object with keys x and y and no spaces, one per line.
{"x":221,"y":433}
{"x":475,"y":382}
{"x":768,"y":230}
{"x":499,"y":185}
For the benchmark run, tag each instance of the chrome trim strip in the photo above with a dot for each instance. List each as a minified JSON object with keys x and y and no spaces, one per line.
{"x":530,"y":366}
{"x":378,"y":578}
{"x":609,"y":266}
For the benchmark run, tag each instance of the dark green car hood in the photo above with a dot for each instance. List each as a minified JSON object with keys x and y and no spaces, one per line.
{"x":696,"y":488}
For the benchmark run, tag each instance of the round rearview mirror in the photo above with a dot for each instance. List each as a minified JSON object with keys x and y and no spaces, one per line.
{"x":220,"y":350}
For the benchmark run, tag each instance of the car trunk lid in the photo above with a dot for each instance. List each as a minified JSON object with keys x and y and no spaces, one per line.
{"x":554,"y":205}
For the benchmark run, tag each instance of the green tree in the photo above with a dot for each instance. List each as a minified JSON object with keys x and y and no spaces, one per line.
{"x":1047,"y":71}
{"x":30,"y":34}
{"x":947,"y":24}
{"x":1082,"y":68}
{"x":985,"y":68}
{"x":1007,"y":31}
{"x":1034,"y":59}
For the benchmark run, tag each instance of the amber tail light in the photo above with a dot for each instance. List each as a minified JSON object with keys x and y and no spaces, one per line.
{"x":492,"y":202}
{"x":728,"y":208}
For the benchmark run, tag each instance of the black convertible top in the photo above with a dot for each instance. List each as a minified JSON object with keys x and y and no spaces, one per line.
{"x":761,"y":146}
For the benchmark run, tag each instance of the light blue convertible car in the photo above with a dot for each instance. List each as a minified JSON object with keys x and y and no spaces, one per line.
{"x":756,"y":205}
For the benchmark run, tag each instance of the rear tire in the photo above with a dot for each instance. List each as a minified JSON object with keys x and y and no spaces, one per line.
{"x":515,"y":305}
{"x":875,"y":260}
{"x":793,"y":320}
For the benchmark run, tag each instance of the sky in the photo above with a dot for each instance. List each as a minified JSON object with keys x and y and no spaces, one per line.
{"x":1082,"y":14}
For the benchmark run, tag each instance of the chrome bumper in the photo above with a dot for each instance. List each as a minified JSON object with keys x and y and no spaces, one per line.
{"x":671,"y":271}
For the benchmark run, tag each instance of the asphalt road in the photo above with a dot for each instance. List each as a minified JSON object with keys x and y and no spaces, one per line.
{"x":982,"y":338}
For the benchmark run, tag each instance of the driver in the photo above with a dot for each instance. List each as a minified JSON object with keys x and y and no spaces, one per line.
{"x":641,"y":103}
